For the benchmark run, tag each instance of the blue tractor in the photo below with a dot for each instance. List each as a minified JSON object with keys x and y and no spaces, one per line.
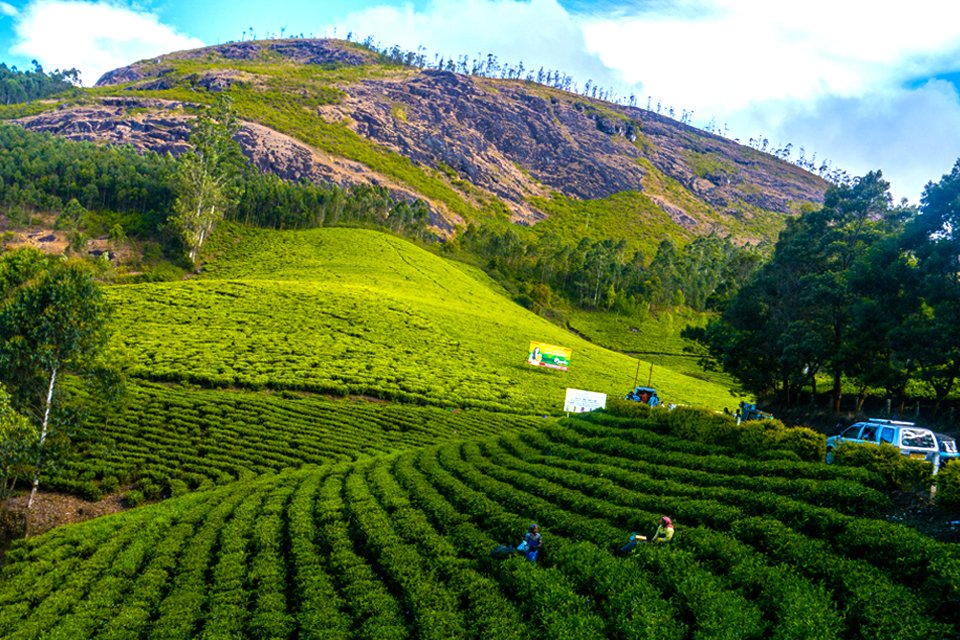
{"x":749,"y":411}
{"x":646,"y":395}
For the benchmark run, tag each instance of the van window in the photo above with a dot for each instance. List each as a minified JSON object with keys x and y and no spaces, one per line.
{"x":917,"y":438}
{"x":869,"y":433}
{"x":851,"y":432}
{"x":886,"y":435}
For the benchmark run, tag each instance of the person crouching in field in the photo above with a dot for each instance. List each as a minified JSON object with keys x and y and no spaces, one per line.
{"x":664,"y":531}
{"x":530,"y":547}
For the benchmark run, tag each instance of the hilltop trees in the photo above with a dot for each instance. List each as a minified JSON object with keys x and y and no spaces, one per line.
{"x":206,"y":177}
{"x":52,"y":322}
{"x":24,"y":86}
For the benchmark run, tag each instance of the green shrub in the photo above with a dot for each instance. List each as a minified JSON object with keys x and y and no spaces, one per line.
{"x":109,"y":484}
{"x":948,"y":485}
{"x":752,"y":437}
{"x":897,"y":470}
{"x":133,"y":498}
{"x":627,"y":408}
{"x":178,"y":488}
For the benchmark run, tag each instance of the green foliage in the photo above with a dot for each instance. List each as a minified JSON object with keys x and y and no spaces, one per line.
{"x":603,"y":274}
{"x":898,"y":471}
{"x":18,"y":442}
{"x":206,"y":179}
{"x":752,"y":436}
{"x":948,"y":485}
{"x":351,"y":312}
{"x":824,"y":303}
{"x":133,"y":498}
{"x":397,"y":545}
{"x":53,"y":321}
{"x":198,"y":439}
{"x":41,"y":172}
{"x":25,"y":86}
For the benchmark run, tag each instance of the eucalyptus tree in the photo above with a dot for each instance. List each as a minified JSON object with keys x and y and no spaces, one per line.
{"x":53,"y":321}
{"x":206,"y":178}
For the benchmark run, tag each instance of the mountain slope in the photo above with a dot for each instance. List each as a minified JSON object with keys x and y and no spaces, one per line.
{"x":474,"y":148}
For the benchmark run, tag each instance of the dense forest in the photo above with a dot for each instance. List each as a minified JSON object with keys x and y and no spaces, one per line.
{"x":860,"y":292}
{"x":97,"y":187}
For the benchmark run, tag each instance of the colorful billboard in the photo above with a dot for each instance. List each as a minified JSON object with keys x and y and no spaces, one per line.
{"x":549,"y":355}
{"x":580,"y":401}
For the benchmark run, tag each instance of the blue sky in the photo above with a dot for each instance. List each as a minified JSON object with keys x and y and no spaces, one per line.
{"x":866,"y":85}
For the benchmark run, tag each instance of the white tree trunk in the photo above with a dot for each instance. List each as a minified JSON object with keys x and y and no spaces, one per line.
{"x":43,"y":436}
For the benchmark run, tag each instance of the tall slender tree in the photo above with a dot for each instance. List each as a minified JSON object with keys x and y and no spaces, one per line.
{"x":52,"y":321}
{"x":206,"y":178}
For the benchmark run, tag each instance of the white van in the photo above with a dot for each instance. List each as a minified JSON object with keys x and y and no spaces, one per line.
{"x":912,"y":440}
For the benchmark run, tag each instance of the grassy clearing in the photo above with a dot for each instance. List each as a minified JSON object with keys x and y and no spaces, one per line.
{"x":631,"y":215}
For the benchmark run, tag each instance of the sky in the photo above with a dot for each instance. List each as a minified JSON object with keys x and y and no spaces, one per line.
{"x":864,"y":85}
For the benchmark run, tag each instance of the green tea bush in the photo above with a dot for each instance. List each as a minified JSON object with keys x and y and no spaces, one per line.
{"x":948,"y":485}
{"x":397,"y":543}
{"x":898,"y":471}
{"x":109,"y":484}
{"x":133,"y":498}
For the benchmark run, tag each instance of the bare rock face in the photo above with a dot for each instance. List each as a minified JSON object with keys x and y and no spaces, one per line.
{"x":512,"y":140}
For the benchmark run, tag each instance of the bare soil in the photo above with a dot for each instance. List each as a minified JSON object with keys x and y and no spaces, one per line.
{"x":54,"y":509}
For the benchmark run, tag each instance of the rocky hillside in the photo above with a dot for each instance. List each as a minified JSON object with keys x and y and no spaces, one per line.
{"x":470,"y":146}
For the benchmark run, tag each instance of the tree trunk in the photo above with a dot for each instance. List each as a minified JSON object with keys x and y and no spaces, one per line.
{"x":837,"y":390}
{"x":43,"y":436}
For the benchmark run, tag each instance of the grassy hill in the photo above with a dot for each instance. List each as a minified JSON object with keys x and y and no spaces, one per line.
{"x":356,"y":312}
{"x":309,"y":347}
{"x":397,"y":546}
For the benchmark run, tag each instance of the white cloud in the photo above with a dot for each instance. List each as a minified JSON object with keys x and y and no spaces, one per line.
{"x":734,"y":52}
{"x":8,"y":9}
{"x":913,"y":136}
{"x":94,"y":37}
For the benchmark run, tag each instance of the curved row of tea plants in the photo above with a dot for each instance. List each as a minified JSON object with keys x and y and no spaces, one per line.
{"x":398,"y":546}
{"x":169,"y":440}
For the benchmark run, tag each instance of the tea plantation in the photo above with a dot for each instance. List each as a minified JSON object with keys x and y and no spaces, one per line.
{"x":398,"y":546}
{"x":247,"y":368}
{"x":344,"y":426}
{"x":356,"y":312}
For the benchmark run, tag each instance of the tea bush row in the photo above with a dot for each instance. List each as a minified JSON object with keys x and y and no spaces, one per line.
{"x":398,"y":546}
{"x":167,"y":438}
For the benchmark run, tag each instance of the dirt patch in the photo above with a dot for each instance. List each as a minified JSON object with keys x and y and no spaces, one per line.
{"x":916,"y":511}
{"x":55,"y":509}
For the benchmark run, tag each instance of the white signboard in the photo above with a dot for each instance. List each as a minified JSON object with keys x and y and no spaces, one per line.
{"x":580,"y":401}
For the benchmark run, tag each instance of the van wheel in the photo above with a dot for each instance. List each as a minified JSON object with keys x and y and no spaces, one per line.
{"x":829,"y":458}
